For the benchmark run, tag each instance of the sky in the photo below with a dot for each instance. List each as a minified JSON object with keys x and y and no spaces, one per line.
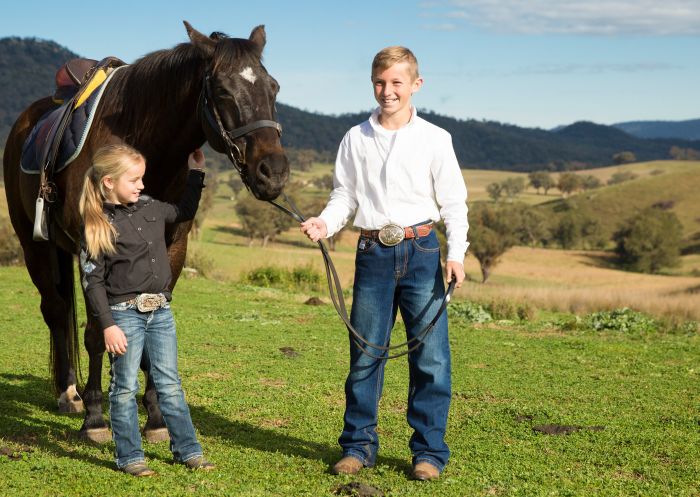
{"x":532,"y":63}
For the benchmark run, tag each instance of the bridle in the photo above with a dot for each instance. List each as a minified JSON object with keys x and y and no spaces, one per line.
{"x":210,"y":117}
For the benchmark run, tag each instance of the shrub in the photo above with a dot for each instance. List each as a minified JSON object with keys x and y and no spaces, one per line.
{"x":298,"y":278}
{"x":503,"y":309}
{"x":624,"y":320}
{"x":10,"y":249}
{"x":196,"y":259}
{"x":469,"y":311}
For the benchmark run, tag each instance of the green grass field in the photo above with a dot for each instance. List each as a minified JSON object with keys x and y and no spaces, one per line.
{"x":270,"y":419}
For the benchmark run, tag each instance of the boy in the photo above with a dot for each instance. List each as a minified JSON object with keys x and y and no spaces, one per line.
{"x":400,"y":174}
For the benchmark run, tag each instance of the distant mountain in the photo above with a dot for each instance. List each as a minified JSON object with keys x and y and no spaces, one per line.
{"x":685,"y":130}
{"x":28,"y":65}
{"x":27,"y":70}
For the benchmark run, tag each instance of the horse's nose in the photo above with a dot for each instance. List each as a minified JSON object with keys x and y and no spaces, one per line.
{"x":273,"y":170}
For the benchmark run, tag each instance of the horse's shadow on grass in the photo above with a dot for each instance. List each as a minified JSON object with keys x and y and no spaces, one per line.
{"x":21,"y":426}
{"x":247,"y":435}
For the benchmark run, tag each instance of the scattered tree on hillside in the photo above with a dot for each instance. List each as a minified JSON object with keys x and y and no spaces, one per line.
{"x":512,"y":187}
{"x":590,"y":182}
{"x":624,"y":158}
{"x":679,"y":153}
{"x":568,"y":183}
{"x":205,"y":204}
{"x":10,"y":250}
{"x":324,"y":182}
{"x":490,"y":234}
{"x":236,"y":184}
{"x":541,"y":179}
{"x":577,"y":227}
{"x":649,"y":241}
{"x":621,"y":177}
{"x":529,"y":225}
{"x":495,"y":190}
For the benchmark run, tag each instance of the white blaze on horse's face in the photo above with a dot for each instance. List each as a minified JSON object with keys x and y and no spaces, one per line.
{"x":248,"y":75}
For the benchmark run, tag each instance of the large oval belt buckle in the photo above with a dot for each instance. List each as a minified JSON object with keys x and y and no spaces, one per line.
{"x":391,"y":234}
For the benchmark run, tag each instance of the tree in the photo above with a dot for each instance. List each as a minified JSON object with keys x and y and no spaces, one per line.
{"x":260,"y":219}
{"x":541,"y":179}
{"x":568,"y":183}
{"x":649,"y":241}
{"x":529,"y":225}
{"x":624,"y":158}
{"x":590,"y":182}
{"x":490,"y":235}
{"x":678,"y":153}
{"x":495,"y":190}
{"x":205,"y":204}
{"x":236,"y":183}
{"x":513,"y":187}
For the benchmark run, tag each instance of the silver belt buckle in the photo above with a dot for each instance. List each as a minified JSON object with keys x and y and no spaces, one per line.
{"x":147,"y":302}
{"x":391,"y":234}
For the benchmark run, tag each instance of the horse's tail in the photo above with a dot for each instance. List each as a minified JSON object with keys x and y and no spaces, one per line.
{"x":64,"y":278}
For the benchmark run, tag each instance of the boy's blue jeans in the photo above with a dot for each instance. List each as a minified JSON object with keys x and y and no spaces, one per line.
{"x":153,"y":335}
{"x":406,"y":277}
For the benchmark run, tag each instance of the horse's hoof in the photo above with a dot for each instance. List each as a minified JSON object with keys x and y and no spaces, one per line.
{"x":97,"y":435}
{"x":70,"y":402}
{"x":156,"y":435}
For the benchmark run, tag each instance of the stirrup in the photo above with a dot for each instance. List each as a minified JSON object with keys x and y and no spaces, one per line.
{"x":41,"y":230}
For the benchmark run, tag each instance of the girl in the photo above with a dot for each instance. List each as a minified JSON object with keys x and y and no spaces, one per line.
{"x":126,"y":278}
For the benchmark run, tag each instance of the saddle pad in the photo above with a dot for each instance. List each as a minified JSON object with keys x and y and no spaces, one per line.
{"x":37,"y":146}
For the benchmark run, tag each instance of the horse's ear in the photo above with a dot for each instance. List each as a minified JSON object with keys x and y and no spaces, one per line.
{"x":202,"y":42}
{"x":258,"y":37}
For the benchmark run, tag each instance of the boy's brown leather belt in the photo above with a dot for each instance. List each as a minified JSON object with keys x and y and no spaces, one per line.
{"x":393,"y":234}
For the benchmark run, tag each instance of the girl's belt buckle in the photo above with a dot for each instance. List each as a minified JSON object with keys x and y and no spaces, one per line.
{"x":391,"y":234}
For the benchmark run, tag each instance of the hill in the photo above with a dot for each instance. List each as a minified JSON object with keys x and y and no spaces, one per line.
{"x":673,"y":184}
{"x":685,"y":130}
{"x":27,"y":67}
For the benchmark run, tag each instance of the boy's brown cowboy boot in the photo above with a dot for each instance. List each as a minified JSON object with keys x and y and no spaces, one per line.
{"x":348,"y":465}
{"x":425,"y":471}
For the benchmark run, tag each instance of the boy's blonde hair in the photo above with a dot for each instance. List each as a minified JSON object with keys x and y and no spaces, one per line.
{"x":389,"y":56}
{"x":113,"y":161}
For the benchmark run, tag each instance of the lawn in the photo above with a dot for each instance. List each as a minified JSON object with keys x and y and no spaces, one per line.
{"x":264,"y":373}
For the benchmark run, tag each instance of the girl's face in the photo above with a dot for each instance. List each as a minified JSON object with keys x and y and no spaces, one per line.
{"x":127,"y":187}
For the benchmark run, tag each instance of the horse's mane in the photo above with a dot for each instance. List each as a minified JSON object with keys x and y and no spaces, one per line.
{"x":155,"y":87}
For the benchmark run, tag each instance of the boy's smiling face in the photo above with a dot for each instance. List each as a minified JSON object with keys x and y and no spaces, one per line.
{"x":393,"y":88}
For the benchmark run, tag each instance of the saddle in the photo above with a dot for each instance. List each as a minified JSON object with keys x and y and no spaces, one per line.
{"x":59,"y":135}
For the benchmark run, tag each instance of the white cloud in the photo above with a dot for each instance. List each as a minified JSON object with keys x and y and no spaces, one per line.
{"x":585,"y":17}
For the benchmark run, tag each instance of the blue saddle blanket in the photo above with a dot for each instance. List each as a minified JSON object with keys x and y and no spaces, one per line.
{"x":37,"y":146}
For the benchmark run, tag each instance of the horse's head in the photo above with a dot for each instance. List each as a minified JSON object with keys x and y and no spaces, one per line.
{"x":237,"y":109}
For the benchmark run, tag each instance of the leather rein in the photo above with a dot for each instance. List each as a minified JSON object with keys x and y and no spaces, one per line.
{"x":210,"y":117}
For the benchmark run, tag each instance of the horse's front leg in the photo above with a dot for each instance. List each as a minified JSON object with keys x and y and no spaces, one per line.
{"x":154,"y":430}
{"x":94,"y":426}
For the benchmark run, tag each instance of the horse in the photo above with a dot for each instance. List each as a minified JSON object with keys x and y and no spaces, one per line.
{"x":166,"y":104}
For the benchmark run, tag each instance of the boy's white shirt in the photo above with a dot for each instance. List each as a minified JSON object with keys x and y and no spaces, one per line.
{"x":403,"y":177}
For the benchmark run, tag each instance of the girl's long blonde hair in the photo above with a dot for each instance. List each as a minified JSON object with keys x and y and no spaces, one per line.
{"x":113,"y":161}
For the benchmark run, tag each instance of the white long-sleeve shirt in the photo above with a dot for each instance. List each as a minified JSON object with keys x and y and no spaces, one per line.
{"x":403,"y":177}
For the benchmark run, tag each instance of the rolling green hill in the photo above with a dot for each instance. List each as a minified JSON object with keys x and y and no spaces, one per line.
{"x":674,"y":183}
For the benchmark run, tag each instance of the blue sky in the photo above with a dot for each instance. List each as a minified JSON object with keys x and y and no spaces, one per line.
{"x":534,"y":63}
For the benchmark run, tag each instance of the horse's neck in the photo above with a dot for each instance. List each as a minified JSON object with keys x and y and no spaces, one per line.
{"x":159,"y":107}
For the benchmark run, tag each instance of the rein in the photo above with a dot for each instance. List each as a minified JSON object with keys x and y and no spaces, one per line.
{"x":211,"y":117}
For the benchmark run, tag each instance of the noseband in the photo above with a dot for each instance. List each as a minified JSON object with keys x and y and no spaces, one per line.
{"x":210,"y":117}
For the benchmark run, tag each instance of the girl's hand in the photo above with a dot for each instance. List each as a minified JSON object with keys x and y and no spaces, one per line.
{"x":115,"y":340}
{"x":315,"y":228}
{"x":196,"y":159}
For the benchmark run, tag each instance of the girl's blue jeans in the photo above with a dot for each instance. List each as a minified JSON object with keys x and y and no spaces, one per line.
{"x":406,"y":277}
{"x":153,"y":335}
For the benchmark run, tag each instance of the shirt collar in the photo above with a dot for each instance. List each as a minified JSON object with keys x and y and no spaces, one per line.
{"x":376,"y":125}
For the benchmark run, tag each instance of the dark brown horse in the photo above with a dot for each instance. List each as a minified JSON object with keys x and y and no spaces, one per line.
{"x":165,"y":105}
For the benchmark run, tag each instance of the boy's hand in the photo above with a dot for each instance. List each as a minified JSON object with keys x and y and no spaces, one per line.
{"x":315,"y":228}
{"x":115,"y":340}
{"x":456,"y":270}
{"x":196,"y":159}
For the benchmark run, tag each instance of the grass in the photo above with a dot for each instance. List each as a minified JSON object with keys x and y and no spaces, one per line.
{"x":270,"y":420}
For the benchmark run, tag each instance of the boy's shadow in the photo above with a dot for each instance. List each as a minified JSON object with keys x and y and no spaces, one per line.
{"x":247,"y":435}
